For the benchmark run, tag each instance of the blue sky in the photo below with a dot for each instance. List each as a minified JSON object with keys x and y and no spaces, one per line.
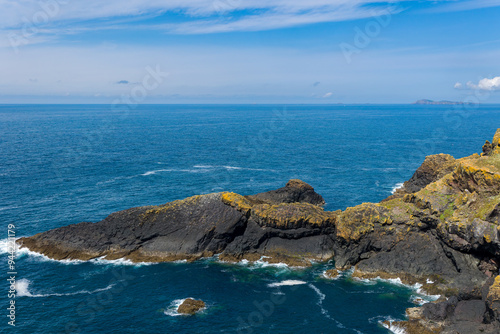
{"x":241,"y":51}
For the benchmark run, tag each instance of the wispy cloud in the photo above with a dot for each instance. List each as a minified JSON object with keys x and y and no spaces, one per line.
{"x":192,"y":16}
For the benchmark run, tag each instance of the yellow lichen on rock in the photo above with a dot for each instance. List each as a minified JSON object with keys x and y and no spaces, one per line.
{"x":154,"y":210}
{"x":357,"y":221}
{"x":496,"y":138}
{"x":493,"y":297}
{"x":292,"y":215}
{"x":237,"y":201}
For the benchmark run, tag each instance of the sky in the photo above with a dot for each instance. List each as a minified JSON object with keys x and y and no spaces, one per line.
{"x":249,"y":51}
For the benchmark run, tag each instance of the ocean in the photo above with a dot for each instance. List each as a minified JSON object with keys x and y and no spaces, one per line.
{"x":64,"y":164}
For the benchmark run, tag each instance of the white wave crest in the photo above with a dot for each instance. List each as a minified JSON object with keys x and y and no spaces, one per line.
{"x":417,"y":287}
{"x":321,"y":298}
{"x":119,"y":262}
{"x":10,"y":207}
{"x":8,"y":245}
{"x":261,"y":263}
{"x":231,"y":168}
{"x":22,"y":290}
{"x":393,"y":328}
{"x":396,"y":187}
{"x":286,"y":283}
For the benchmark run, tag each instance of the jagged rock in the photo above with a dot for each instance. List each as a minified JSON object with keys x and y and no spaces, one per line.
{"x":487,"y":148}
{"x":493,"y":298}
{"x":332,"y":273}
{"x":496,"y":139}
{"x":439,"y":311}
{"x":201,"y":226}
{"x":295,"y":191}
{"x":433,"y":168}
{"x":190,"y":306}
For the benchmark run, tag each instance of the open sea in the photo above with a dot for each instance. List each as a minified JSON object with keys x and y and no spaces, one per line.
{"x":64,"y":164}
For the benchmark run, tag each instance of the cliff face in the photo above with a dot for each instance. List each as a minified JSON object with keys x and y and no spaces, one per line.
{"x":441,"y":229}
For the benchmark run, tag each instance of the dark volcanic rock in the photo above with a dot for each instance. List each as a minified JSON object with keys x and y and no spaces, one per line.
{"x":295,"y":191}
{"x":191,"y":228}
{"x":440,"y":311}
{"x":433,"y":168}
{"x":470,"y":310}
{"x":190,"y":306}
{"x":487,"y":148}
{"x":201,"y":226}
{"x":494,"y":215}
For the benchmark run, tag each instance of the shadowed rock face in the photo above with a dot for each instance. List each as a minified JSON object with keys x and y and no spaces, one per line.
{"x":295,"y":191}
{"x":202,"y":226}
{"x":432,"y":169}
{"x":441,"y":230}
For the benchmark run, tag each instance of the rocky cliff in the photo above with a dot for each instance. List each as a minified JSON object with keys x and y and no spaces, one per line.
{"x":441,"y":230}
{"x":284,"y":225}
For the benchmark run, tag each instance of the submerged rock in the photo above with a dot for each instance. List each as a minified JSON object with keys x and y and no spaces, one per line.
{"x":190,"y":306}
{"x":332,"y":273}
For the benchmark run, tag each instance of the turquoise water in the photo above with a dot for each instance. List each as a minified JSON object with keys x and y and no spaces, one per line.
{"x":63,"y":164}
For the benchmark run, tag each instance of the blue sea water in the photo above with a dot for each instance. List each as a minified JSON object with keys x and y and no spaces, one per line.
{"x":63,"y":164}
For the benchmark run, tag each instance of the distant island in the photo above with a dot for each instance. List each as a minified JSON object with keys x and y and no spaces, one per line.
{"x":440,"y":102}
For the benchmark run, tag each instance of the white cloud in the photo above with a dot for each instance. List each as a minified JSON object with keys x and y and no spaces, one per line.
{"x":328,"y":95}
{"x":486,"y":84}
{"x":458,"y":85}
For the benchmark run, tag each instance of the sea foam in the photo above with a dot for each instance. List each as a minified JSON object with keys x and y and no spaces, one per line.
{"x":22,"y":290}
{"x":321,"y":298}
{"x":396,"y":187}
{"x":394,"y":329}
{"x":417,"y":287}
{"x":286,"y":283}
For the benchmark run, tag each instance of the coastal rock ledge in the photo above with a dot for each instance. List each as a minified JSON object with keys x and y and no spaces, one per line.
{"x":441,"y":229}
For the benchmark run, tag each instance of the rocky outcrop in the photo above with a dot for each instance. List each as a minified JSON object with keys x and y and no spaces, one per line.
{"x":295,"y":191}
{"x":234,"y":226}
{"x":468,"y":312}
{"x":191,"y":306}
{"x":332,"y":273}
{"x":442,"y":230}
